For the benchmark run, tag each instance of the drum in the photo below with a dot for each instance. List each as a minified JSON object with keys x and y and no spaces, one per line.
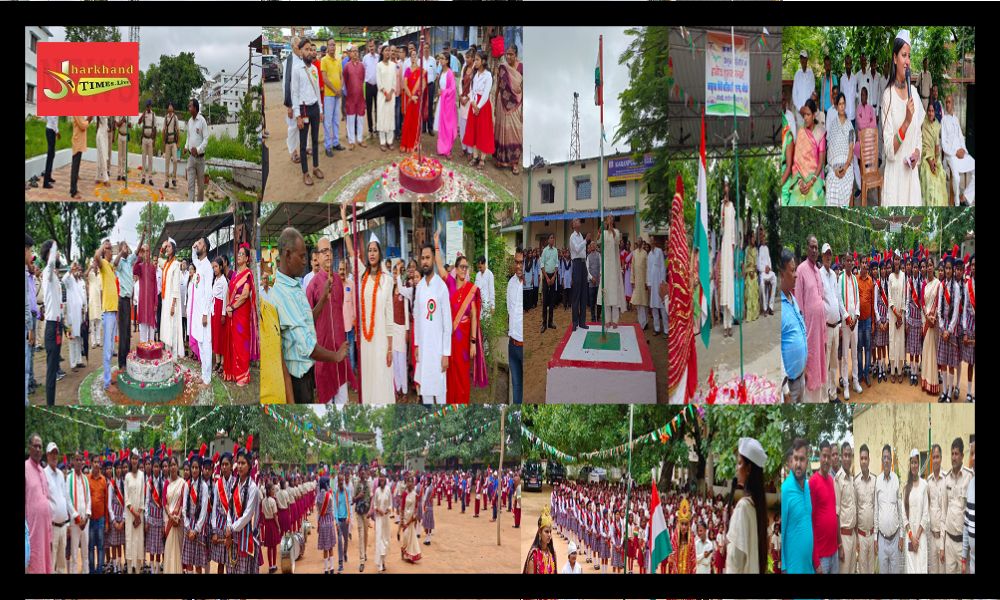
{"x":289,"y":552}
{"x":301,"y":543}
{"x":306,"y":529}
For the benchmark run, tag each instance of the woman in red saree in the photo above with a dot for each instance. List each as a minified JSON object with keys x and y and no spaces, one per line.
{"x":413,"y":80}
{"x":243,"y":340}
{"x":218,"y":318}
{"x":467,"y":363}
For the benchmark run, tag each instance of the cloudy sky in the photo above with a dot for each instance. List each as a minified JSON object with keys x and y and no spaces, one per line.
{"x":215,"y":48}
{"x":563,"y":61}
{"x":127,"y":222}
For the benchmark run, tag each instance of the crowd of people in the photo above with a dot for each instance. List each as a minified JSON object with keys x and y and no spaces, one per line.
{"x":633,"y":278}
{"x":836,"y":521}
{"x":362,"y":497}
{"x":919,"y":142}
{"x":472,"y":99}
{"x":114,"y":132}
{"x":138,"y":511}
{"x":205,"y":308}
{"x":890,"y":316}
{"x":421,"y":321}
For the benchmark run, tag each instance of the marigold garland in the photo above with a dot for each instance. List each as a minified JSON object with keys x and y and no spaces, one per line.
{"x":367,"y":331}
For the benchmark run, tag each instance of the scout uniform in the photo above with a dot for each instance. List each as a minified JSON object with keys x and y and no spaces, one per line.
{"x":847,"y":511}
{"x":147,"y":120}
{"x":935,"y":493}
{"x":865,"y":498}
{"x":953,"y":505}
{"x":171,"y":135}
{"x":122,"y":128}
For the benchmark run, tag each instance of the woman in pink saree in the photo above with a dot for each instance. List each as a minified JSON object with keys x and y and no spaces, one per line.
{"x":810,"y":155}
{"x":447,"y":125}
{"x":241,"y":323}
{"x":467,"y":363}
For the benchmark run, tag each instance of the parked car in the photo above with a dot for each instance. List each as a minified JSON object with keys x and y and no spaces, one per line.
{"x":272,"y":68}
{"x":556,"y":473}
{"x":597,"y":475}
{"x":532,"y":476}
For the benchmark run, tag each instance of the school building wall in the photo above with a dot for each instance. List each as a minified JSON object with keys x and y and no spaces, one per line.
{"x":906,"y":427}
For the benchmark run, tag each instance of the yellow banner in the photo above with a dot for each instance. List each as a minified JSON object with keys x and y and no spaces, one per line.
{"x":91,"y":86}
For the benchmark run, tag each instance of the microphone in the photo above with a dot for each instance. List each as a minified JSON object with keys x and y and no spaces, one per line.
{"x":907,"y":83}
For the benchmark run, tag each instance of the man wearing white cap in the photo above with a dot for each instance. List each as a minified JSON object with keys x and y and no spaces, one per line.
{"x":60,"y":506}
{"x":803,"y":86}
{"x":431,"y":331}
{"x":749,"y":516}
{"x":171,"y":327}
{"x":571,"y":567}
{"x":833,"y":304}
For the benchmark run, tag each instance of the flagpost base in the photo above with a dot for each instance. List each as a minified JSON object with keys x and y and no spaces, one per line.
{"x":588,"y":367}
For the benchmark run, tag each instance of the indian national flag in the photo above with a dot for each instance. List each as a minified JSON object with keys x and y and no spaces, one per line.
{"x":659,"y":536}
{"x":701,"y":243}
{"x":599,"y":77}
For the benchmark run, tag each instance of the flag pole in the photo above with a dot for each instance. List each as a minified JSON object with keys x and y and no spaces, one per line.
{"x":628,"y":488}
{"x":736,"y":159}
{"x":600,"y":183}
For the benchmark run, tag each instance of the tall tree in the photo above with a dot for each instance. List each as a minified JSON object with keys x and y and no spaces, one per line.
{"x":92,"y":221}
{"x":93,"y":33}
{"x":151,"y":222}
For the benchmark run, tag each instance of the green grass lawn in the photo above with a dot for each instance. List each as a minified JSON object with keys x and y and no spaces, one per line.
{"x":34,"y":142}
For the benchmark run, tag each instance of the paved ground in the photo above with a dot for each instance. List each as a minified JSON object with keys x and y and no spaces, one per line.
{"x":460,"y":544}
{"x":761,"y":351}
{"x":284,"y":180}
{"x":539,"y":348}
{"x":113,"y":192}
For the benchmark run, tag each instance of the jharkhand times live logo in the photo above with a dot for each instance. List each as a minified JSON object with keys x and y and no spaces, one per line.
{"x":88,"y":78}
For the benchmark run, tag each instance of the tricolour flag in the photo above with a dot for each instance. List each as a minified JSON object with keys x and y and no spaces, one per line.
{"x":659,"y":537}
{"x":599,"y":76}
{"x":701,"y":243}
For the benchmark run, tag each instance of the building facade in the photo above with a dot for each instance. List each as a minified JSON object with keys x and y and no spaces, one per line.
{"x":906,"y":426}
{"x":32,"y":35}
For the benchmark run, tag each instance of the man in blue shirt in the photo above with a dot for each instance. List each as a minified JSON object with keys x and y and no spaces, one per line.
{"x":124,"y":262}
{"x":796,"y":514}
{"x":341,"y":512}
{"x":793,"y":331}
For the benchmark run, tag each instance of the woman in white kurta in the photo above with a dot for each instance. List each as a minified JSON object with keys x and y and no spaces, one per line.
{"x":917,"y":512}
{"x":171,"y":310}
{"x":385,"y":79}
{"x":135,"y":504}
{"x":173,"y":518}
{"x":610,"y":287}
{"x":901,"y":179}
{"x":727,"y":290}
{"x":381,"y":506}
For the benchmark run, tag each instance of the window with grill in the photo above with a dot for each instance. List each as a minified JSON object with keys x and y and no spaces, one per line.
{"x":583,"y":188}
{"x":548,"y":192}
{"x":618,"y":189}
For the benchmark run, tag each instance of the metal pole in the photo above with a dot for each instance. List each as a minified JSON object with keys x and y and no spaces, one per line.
{"x":736,"y":158}
{"x":600,"y":189}
{"x":628,"y":489}
{"x":503,"y":410}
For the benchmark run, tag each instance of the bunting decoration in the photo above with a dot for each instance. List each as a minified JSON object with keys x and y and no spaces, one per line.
{"x":436,"y":414}
{"x":299,"y":426}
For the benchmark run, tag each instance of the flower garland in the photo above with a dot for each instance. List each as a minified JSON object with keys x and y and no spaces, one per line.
{"x":367,"y":331}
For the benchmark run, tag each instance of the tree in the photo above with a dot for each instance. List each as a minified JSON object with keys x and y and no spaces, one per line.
{"x":273,"y":34}
{"x":91,"y":220}
{"x":94,"y":33}
{"x":152,"y":219}
{"x":815,"y":423}
{"x":251,"y":117}
{"x":216,"y":114}
{"x":172,"y":79}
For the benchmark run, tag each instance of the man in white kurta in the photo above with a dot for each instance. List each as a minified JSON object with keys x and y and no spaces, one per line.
{"x":103,"y":150}
{"x":203,"y":304}
{"x":958,"y":157}
{"x":640,"y":295}
{"x":803,"y":86}
{"x":768,"y":280}
{"x":381,"y":507}
{"x":656,"y":273}
{"x":727,"y":290}
{"x":76,"y":304}
{"x":172,"y":309}
{"x":897,"y":313}
{"x":135,"y":503}
{"x":610,"y":289}
{"x":850,"y":298}
{"x":431,"y":331}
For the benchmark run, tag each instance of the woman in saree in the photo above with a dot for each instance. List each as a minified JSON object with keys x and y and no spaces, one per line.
{"x":787,"y":159}
{"x":413,"y":84}
{"x":467,"y":363}
{"x":541,"y":559}
{"x":464,"y":102}
{"x":173,"y":519}
{"x":933,"y":179}
{"x":407,"y":535}
{"x":508,"y":129}
{"x":839,"y":170}
{"x":219,"y":293}
{"x":806,"y":185}
{"x":929,"y":352}
{"x":750,"y":283}
{"x":447,"y":111}
{"x":192,"y":343}
{"x":479,"y":129}
{"x":241,"y":322}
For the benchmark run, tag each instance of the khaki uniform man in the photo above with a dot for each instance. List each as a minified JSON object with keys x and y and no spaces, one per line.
{"x":847,"y":511}
{"x":864,"y":489}
{"x":936,"y":489}
{"x":953,"y":505}
{"x":122,"y":126}
{"x":147,"y":120}
{"x":171,"y":136}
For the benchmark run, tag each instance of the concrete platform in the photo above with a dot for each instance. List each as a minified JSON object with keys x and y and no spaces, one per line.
{"x":591,"y":375}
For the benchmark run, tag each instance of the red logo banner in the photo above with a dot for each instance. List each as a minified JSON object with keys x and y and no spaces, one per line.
{"x":88,"y":78}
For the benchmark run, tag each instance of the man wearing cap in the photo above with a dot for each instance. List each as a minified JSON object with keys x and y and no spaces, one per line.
{"x":957,"y":156}
{"x":796,"y":515}
{"x":147,"y":120}
{"x":954,"y":505}
{"x":60,"y":506}
{"x":571,"y":566}
{"x":850,"y":299}
{"x":897,"y":317}
{"x":889,"y":517}
{"x":835,"y":312}
{"x":803,"y":86}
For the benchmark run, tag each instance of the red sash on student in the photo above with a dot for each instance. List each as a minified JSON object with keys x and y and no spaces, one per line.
{"x":972,"y":293}
{"x":913,"y":293}
{"x":222,"y":494}
{"x":244,"y":537}
{"x":947,"y":296}
{"x":194,"y":494}
{"x":326,"y":504}
{"x":155,"y":493}
{"x":118,"y":492}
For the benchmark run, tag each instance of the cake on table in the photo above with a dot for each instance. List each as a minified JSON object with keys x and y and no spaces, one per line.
{"x":151,"y":374}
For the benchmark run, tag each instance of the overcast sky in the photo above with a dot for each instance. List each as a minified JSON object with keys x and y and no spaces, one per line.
{"x":215,"y":48}
{"x":563,"y":61}
{"x":125,"y":227}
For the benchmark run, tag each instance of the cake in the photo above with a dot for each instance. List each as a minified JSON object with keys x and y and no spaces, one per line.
{"x":151,"y":374}
{"x":421,"y":175}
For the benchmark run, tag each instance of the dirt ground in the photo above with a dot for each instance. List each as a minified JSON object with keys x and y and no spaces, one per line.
{"x":539,"y":348}
{"x":460,"y":544}
{"x":902,"y":392}
{"x":284,"y":180}
{"x":533,"y":502}
{"x":68,"y":389}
